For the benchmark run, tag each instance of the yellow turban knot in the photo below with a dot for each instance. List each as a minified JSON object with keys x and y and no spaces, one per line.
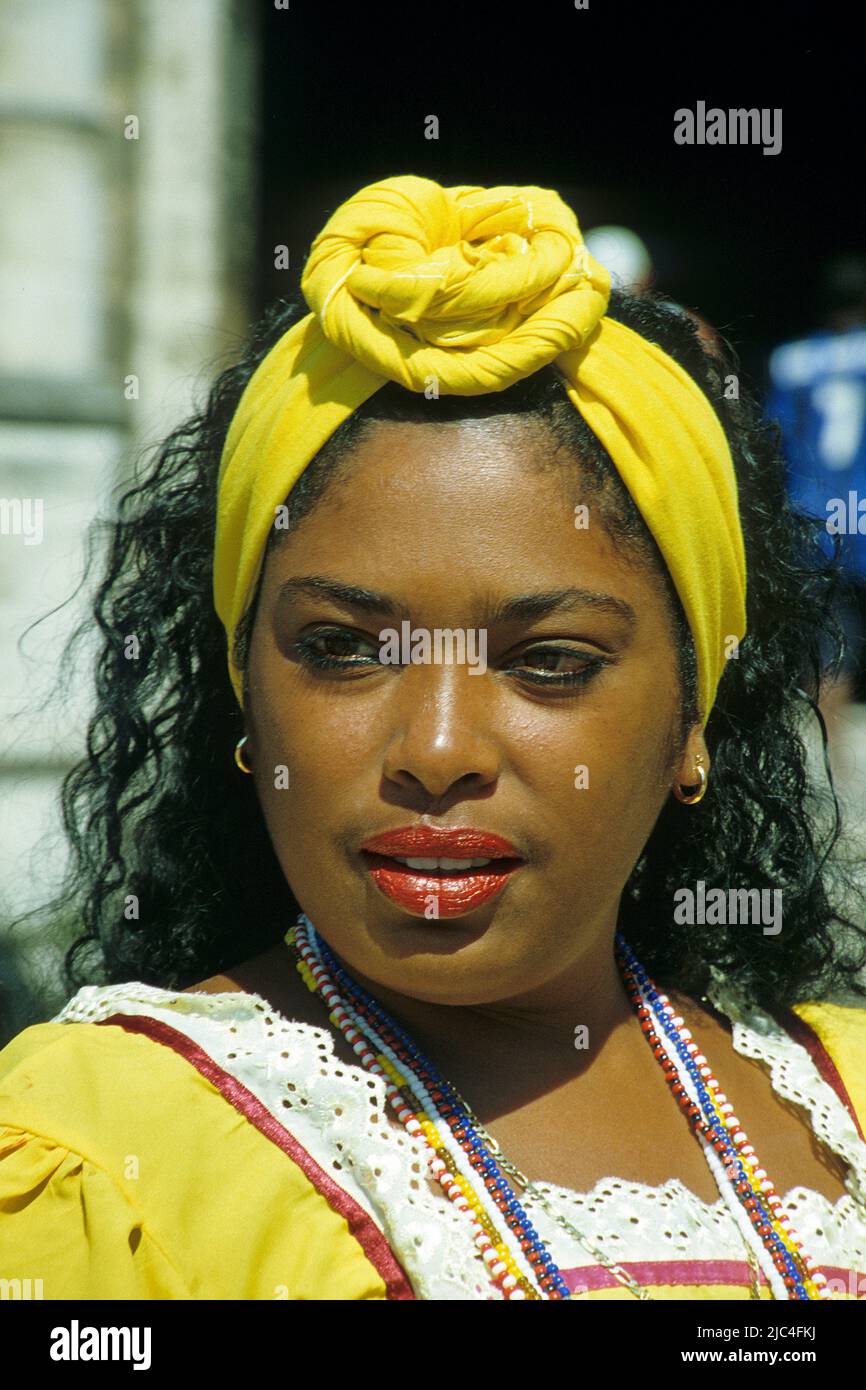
{"x":463,"y":291}
{"x":472,"y":287}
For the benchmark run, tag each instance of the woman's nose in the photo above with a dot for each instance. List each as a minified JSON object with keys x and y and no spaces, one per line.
{"x":442,"y":730}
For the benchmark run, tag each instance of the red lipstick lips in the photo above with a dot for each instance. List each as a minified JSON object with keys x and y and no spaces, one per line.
{"x":443,"y":891}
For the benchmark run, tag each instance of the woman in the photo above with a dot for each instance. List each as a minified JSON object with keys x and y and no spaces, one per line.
{"x":514,"y":751}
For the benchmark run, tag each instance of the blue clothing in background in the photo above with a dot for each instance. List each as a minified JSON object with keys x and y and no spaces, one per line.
{"x":818,"y":395}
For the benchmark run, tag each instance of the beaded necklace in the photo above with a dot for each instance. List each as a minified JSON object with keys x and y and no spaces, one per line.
{"x":471,"y":1169}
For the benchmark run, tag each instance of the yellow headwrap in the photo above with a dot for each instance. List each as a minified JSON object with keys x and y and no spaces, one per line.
{"x":467,"y":290}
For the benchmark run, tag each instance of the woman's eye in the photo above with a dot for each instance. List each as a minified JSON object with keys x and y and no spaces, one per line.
{"x":541,"y":660}
{"x":332,"y":649}
{"x":341,"y":653}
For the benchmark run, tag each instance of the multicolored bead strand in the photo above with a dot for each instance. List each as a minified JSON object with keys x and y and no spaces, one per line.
{"x":757,"y":1254}
{"x":461,"y":1120}
{"x":503,"y":1268}
{"x":518,"y":1261}
{"x":712,"y":1119}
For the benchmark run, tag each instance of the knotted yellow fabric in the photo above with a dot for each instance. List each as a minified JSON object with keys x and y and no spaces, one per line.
{"x":462,"y":291}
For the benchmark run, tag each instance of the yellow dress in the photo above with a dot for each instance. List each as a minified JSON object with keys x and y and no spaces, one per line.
{"x":161,"y":1145}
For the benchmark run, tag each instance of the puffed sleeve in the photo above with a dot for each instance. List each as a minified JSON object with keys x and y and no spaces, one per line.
{"x":72,"y":1222}
{"x":68,"y":1231}
{"x":127,"y":1173}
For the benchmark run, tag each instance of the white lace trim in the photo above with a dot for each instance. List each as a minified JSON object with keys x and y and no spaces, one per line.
{"x":338,"y":1113}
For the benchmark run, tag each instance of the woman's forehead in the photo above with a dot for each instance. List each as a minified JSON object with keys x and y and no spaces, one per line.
{"x":499,"y":493}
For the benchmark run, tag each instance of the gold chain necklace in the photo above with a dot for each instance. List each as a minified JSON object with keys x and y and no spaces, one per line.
{"x":598,"y":1255}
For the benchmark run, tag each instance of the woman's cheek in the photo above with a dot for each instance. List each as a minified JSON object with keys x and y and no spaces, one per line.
{"x":302,"y":781}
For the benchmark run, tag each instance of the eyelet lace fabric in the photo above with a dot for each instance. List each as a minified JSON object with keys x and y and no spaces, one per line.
{"x":338,"y":1113}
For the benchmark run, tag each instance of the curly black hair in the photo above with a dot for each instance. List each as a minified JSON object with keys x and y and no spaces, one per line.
{"x":172,"y":874}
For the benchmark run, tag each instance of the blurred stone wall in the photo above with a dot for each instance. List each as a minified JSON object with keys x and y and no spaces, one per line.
{"x":126,"y":169}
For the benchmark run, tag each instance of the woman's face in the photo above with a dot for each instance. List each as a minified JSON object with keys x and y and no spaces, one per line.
{"x":449,"y":522}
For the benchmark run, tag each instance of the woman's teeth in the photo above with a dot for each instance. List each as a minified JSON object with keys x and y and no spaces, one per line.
{"x":430,"y":865}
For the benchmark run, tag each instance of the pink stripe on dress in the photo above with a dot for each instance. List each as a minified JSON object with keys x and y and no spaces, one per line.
{"x":695,"y":1273}
{"x":361,"y":1226}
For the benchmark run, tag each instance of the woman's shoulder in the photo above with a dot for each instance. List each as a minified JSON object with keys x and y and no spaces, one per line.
{"x":120,"y":1138}
{"x":814,"y":1053}
{"x":79,"y":1066}
{"x":832,"y":1034}
{"x":117,"y":1058}
{"x":81,"y":1085}
{"x":835,"y":1022}
{"x":835,"y":1036}
{"x":82,"y":1107}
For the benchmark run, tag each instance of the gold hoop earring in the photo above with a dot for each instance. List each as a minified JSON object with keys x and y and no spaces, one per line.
{"x":244,"y":767}
{"x":696,"y":796}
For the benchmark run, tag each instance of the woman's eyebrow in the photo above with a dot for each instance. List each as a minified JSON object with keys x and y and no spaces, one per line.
{"x":527,"y":607}
{"x":519,"y":608}
{"x":346,"y":595}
